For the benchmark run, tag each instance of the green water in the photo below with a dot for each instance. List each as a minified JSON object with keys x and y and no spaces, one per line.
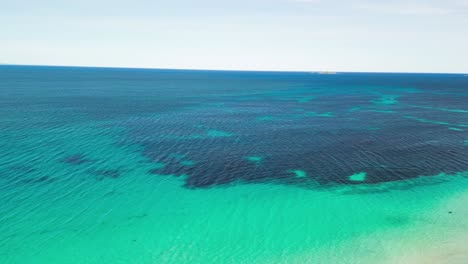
{"x":126,"y":199}
{"x":141,"y":219}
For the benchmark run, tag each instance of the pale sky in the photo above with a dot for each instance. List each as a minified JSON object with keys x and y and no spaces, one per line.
{"x":305,"y":35}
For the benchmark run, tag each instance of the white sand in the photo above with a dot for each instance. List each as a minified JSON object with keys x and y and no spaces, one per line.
{"x":449,"y":238}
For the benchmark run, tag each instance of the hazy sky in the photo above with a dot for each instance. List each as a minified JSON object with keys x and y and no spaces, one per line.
{"x":354,"y":35}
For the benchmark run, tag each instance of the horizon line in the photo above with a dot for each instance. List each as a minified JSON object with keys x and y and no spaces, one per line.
{"x":329,"y":72}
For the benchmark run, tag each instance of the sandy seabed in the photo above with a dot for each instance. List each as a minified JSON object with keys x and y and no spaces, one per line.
{"x":439,"y":237}
{"x":449,"y":240}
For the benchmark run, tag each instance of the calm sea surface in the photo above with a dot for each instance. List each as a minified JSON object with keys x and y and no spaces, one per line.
{"x":172,"y":166}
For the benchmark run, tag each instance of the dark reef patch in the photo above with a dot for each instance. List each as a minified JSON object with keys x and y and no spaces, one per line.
{"x":42,"y":179}
{"x":219,"y":128}
{"x":75,"y":159}
{"x":322,"y":156}
{"x":155,"y":171}
{"x":397,"y":220}
{"x":22,"y":169}
{"x":106,"y":173}
{"x":359,"y":129}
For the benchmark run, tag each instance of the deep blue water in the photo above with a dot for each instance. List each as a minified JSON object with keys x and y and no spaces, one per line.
{"x":219,"y":127}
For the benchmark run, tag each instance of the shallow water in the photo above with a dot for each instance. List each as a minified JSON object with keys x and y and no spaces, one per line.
{"x":165,"y":166}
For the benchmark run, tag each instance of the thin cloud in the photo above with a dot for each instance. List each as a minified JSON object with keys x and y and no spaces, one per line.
{"x":407,"y":9}
{"x":307,"y":1}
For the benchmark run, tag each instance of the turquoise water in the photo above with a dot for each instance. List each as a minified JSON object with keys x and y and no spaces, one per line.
{"x":160,"y":166}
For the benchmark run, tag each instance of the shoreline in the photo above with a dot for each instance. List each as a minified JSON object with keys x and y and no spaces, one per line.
{"x":450,"y":246}
{"x":437,"y":235}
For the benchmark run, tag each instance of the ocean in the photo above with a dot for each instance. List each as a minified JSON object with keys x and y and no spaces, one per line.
{"x":114,"y":165}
